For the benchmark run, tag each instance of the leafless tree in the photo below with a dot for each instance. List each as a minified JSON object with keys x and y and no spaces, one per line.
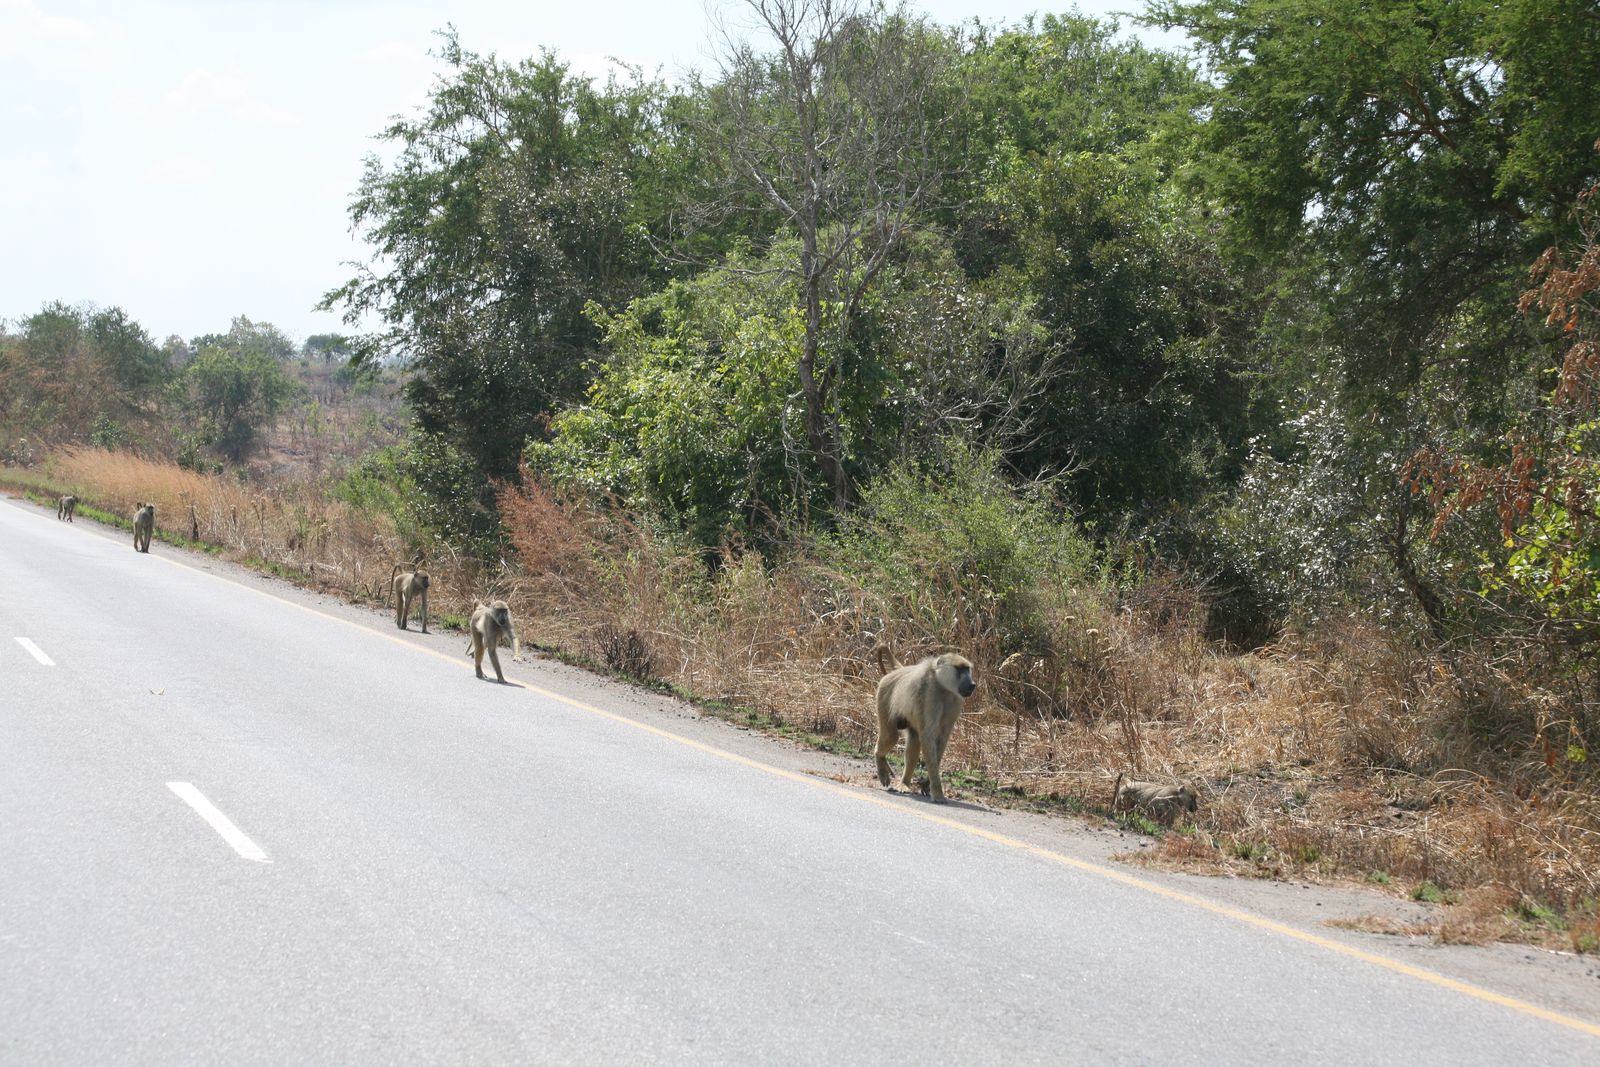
{"x":831,"y":124}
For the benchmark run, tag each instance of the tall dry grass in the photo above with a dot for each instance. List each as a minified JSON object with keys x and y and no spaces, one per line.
{"x":290,"y":526}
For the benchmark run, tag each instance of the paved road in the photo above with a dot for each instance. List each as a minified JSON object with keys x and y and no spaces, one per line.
{"x":457,"y":871}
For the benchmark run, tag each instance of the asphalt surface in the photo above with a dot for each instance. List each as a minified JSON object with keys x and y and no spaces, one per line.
{"x":454,"y":871}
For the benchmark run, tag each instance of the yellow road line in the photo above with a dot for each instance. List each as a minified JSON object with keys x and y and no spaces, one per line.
{"x":1004,"y":840}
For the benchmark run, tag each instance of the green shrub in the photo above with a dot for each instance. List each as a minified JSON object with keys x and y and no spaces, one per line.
{"x":962,"y":552}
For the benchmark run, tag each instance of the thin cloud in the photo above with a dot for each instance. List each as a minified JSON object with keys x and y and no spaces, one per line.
{"x":180,"y":170}
{"x":25,"y":20}
{"x":203,"y":90}
{"x":392,"y":53}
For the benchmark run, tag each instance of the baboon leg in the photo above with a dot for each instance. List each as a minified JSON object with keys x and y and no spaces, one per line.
{"x":913,"y":754}
{"x":494,"y":658}
{"x":887,"y":739}
{"x":477,"y":652}
{"x":934,"y":756}
{"x":424,"y":609}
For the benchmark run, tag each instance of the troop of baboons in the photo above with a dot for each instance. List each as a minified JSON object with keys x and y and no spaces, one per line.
{"x":408,"y":585}
{"x":922,"y":699}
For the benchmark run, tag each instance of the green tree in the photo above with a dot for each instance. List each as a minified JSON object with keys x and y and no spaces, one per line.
{"x":1387,"y":171}
{"x":72,"y":372}
{"x":519,"y":196}
{"x":1069,"y":200}
{"x":235,"y":391}
{"x":1407,"y":159}
{"x":833,"y":131}
{"x":690,"y":418}
{"x":244,"y":335}
{"x":328,"y":347}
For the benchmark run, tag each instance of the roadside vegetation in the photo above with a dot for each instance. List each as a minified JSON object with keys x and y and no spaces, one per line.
{"x":1231,"y":412}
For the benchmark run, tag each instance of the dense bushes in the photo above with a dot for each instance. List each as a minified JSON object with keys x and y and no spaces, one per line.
{"x":956,"y":553}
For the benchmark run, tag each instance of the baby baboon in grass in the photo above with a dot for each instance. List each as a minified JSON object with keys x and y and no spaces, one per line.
{"x":489,"y":623}
{"x":144,"y":525}
{"x":66,"y":506}
{"x":1162,"y":803}
{"x":407,"y":586}
{"x":923,"y":699}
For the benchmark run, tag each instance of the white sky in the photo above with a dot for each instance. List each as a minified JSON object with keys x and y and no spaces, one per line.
{"x":193,"y":160}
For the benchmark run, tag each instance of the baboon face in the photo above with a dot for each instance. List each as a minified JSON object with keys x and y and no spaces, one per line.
{"x":955,"y":674}
{"x":423,"y":579}
{"x":502,"y":615}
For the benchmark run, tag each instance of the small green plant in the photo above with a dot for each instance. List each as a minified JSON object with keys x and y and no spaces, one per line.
{"x":1379,"y":877}
{"x":1250,"y":850}
{"x":1309,"y":853}
{"x":1139,"y":824}
{"x":1430,"y":893}
{"x":1532,"y":913}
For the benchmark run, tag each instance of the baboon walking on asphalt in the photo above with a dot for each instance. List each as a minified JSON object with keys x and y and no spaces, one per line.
{"x":923,"y":699}
{"x":1163,"y":803}
{"x":489,"y":623}
{"x":144,"y":525}
{"x":66,"y":506}
{"x":407,"y":586}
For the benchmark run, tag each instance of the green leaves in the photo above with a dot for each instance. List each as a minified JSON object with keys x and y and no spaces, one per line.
{"x":514,"y":200}
{"x":236,"y":386}
{"x":693,"y":417}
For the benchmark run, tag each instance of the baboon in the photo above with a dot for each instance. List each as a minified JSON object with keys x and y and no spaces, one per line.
{"x":66,"y":506}
{"x":144,"y":524}
{"x":406,"y":586}
{"x":923,"y":699}
{"x":1163,"y":803}
{"x":489,"y":623}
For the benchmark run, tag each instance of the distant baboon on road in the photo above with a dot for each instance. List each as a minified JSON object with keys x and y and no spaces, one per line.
{"x":489,"y":623}
{"x":144,"y":525}
{"x":923,"y":699}
{"x":66,"y":506}
{"x":406,"y":586}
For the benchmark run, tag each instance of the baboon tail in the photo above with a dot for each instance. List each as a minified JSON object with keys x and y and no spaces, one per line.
{"x":1115,"y":790}
{"x":886,"y":662}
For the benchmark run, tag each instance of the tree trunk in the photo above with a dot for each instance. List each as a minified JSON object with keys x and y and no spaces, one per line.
{"x":1400,"y":554}
{"x":821,"y":432}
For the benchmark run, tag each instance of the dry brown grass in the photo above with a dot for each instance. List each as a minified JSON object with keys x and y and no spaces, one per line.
{"x":290,"y":526}
{"x":1490,"y":913}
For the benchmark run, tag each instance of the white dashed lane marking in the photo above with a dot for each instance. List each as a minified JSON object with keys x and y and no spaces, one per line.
{"x":36,"y":652}
{"x":219,"y":822}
